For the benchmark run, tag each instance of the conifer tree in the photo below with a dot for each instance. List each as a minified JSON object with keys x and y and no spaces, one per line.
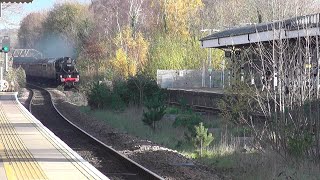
{"x":203,"y":138}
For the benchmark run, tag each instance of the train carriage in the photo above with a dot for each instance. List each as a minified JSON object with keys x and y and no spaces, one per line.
{"x":60,"y":70}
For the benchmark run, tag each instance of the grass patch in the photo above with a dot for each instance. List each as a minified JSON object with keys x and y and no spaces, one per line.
{"x":129,"y":121}
{"x":226,"y":154}
{"x":173,"y":110}
{"x":255,"y":165}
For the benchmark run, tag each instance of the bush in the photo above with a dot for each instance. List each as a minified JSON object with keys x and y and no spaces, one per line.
{"x":235,"y":107}
{"x":135,"y":90}
{"x":187,"y":120}
{"x":299,"y":144}
{"x":117,"y":102}
{"x":173,"y":110}
{"x":184,"y":105}
{"x":141,"y":87}
{"x":121,"y":89}
{"x":202,"y":138}
{"x":156,"y":109}
{"x":17,"y":76}
{"x":85,"y":84}
{"x":99,"y":96}
{"x":242,"y":131}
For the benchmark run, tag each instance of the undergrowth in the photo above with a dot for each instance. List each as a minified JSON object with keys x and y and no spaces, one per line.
{"x":231,"y":154}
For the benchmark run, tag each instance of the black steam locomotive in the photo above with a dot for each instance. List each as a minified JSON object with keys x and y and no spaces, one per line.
{"x":60,"y":70}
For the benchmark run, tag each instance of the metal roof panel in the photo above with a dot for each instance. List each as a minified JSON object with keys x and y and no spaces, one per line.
{"x":289,"y":24}
{"x":16,"y":1}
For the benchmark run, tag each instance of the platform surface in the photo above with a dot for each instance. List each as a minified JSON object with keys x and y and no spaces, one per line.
{"x":28,"y":150}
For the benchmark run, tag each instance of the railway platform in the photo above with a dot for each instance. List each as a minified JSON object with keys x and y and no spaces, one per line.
{"x":196,"y":98}
{"x":28,"y":150}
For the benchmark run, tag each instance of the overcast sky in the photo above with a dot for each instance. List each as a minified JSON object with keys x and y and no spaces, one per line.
{"x":11,"y":19}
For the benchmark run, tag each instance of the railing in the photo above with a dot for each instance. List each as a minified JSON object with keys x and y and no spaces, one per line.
{"x":27,"y":53}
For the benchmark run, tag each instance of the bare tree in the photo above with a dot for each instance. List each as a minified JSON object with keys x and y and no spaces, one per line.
{"x":31,"y":30}
{"x":135,"y":13}
{"x":287,"y":94}
{"x":10,"y":10}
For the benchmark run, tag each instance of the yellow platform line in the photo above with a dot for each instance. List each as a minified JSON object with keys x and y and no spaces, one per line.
{"x":21,"y":161}
{"x":14,"y":151}
{"x":34,"y":167}
{"x":18,"y":150}
{"x":68,"y":155}
{"x":11,"y":175}
{"x":9,"y":152}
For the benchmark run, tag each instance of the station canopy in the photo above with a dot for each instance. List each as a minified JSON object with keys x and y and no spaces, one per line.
{"x":16,"y":1}
{"x":301,"y":26}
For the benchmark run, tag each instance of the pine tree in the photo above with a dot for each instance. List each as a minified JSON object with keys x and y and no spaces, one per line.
{"x":156,"y":110}
{"x":203,"y":138}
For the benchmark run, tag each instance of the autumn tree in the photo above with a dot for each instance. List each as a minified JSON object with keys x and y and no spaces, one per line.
{"x":92,"y":58}
{"x":175,"y":53}
{"x":69,"y":24}
{"x":131,"y":55}
{"x":179,"y":14}
{"x":31,"y":30}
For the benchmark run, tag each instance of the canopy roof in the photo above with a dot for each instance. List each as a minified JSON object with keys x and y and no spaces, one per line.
{"x":290,"y":28}
{"x":15,"y":1}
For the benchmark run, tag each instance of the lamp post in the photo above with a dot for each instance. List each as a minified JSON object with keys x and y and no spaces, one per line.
{"x":210,"y":56}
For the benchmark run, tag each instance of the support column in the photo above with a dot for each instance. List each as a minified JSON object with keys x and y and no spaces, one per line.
{"x":318,"y":66}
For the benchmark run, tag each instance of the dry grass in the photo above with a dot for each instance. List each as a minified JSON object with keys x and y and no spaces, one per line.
{"x":236,"y":161}
{"x":228,"y":154}
{"x":130,"y":121}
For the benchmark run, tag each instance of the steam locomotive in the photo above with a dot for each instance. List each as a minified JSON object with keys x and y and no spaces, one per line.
{"x":59,"y":70}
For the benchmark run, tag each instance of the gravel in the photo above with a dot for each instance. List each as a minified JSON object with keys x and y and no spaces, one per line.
{"x":165,"y":162}
{"x":86,"y":147}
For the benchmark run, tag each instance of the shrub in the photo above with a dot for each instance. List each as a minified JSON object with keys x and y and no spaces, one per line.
{"x":202,"y":138}
{"x":156,"y":110}
{"x":172,"y":110}
{"x":187,"y":120}
{"x":85,"y":84}
{"x":184,"y":104}
{"x":117,"y":102}
{"x":17,"y":77}
{"x":141,"y":87}
{"x":235,"y":108}
{"x":134,"y":90}
{"x":241,"y":131}
{"x":99,"y":96}
{"x":121,"y":89}
{"x":299,"y":144}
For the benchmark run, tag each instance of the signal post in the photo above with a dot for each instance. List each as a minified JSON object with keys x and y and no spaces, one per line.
{"x":5,"y":48}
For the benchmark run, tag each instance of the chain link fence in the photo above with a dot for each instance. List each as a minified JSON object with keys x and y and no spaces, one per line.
{"x":192,"y":79}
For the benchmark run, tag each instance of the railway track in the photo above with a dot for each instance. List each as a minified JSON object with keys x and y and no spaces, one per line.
{"x":107,"y":160}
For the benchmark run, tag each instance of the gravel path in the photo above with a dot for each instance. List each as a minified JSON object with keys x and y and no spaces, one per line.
{"x":165,"y":162}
